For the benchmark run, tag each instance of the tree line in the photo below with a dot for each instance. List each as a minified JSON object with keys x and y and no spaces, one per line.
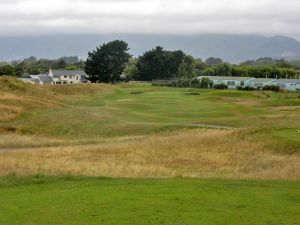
{"x":33,"y":66}
{"x":111,"y":62}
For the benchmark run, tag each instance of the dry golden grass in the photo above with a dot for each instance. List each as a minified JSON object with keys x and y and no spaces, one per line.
{"x":17,"y":97}
{"x":196,"y":153}
{"x":9,"y":112}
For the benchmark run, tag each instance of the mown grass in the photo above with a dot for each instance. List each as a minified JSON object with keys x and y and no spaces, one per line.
{"x":104,"y":110}
{"x":121,"y":112}
{"x":66,"y":200}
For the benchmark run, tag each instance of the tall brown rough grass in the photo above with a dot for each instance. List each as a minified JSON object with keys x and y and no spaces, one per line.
{"x":196,"y":153}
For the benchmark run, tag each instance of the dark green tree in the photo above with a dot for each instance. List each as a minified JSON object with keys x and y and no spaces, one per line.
{"x":33,"y":71}
{"x":159,"y":64}
{"x":200,"y":65}
{"x":223,"y":69}
{"x":61,"y":64}
{"x":20,"y":69}
{"x":186,"y":68}
{"x":6,"y":70}
{"x":131,"y":71}
{"x":107,"y":62}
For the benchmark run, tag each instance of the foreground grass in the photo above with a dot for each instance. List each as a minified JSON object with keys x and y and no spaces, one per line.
{"x":52,"y":200}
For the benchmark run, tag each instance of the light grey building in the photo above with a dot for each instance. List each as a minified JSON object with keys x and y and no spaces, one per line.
{"x":231,"y":82}
{"x":261,"y":82}
{"x":288,"y":84}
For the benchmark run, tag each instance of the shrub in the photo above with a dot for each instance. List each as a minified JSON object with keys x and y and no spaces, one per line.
{"x":246,"y":88}
{"x":196,"y":83}
{"x":183,"y":83}
{"x":220,"y":86}
{"x":271,"y":88}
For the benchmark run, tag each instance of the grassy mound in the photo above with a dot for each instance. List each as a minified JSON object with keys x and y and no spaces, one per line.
{"x":18,"y":97}
{"x":79,"y":89}
{"x":14,"y":86}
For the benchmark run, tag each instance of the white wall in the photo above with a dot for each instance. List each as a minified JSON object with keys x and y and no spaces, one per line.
{"x":72,"y":79}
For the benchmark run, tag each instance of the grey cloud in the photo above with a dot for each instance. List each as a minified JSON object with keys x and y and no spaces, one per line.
{"x":150,"y":16}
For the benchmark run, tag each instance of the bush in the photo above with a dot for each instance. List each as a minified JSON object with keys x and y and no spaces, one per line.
{"x":247,"y":88}
{"x":196,"y":83}
{"x":184,"y":83}
{"x":271,"y":88}
{"x":220,"y":86}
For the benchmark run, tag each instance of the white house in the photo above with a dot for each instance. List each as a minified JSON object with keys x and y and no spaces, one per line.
{"x":288,"y":84}
{"x":231,"y":82}
{"x":68,"y":76}
{"x":58,"y":77}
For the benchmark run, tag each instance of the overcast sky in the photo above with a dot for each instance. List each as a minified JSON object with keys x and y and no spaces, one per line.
{"x":268,"y":17}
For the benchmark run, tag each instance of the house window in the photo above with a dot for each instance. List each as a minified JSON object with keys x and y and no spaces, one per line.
{"x":258,"y":84}
{"x":242,"y":83}
{"x":65,"y":76}
{"x":230,"y":83}
{"x":77,"y":77}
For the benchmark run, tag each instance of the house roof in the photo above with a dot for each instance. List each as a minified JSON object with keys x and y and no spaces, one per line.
{"x":287,"y":81}
{"x":227,"y":78}
{"x":263,"y":80}
{"x":58,"y":73}
{"x":45,"y":78}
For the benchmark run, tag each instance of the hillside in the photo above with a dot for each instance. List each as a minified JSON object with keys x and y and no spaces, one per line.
{"x":232,"y":48}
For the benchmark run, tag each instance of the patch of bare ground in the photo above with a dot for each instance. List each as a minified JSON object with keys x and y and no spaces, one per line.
{"x":198,"y":153}
{"x":287,"y":108}
{"x":249,"y":103}
{"x":281,"y":117}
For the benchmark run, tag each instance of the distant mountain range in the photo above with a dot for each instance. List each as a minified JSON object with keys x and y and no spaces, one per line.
{"x":231,"y":48}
